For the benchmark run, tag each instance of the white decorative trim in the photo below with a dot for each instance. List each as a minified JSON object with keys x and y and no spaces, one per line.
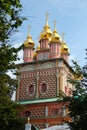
{"x":28,"y":68}
{"x":47,"y":65}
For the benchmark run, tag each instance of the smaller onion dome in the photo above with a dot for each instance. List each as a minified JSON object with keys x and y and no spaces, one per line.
{"x":64,"y":48}
{"x":46,"y":33}
{"x":29,"y":42}
{"x":35,"y":56}
{"x":55,"y":36}
{"x":38,"y":47}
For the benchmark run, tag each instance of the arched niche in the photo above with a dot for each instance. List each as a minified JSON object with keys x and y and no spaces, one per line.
{"x":47,"y":65}
{"x":28,"y":68}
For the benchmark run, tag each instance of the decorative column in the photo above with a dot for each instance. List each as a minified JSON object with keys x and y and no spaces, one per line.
{"x":46,"y":111}
{"x":18,"y":90}
{"x":46,"y":114}
{"x":37,"y":78}
{"x":64,"y":111}
{"x":57,"y":83}
{"x":61,"y":80}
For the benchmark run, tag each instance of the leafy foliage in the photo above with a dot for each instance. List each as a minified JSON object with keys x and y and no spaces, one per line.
{"x":9,"y":23}
{"x":9,"y":17}
{"x":78,"y":100}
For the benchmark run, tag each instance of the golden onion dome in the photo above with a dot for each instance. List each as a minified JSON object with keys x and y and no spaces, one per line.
{"x":55,"y":36}
{"x":64,"y":48}
{"x":46,"y":33}
{"x":47,"y":28}
{"x":29,"y":42}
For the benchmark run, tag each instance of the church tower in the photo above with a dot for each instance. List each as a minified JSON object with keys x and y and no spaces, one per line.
{"x":45,"y":35}
{"x":28,"y":49}
{"x":43,"y":52}
{"x":43,"y":75}
{"x":54,"y":44}
{"x":64,"y":50}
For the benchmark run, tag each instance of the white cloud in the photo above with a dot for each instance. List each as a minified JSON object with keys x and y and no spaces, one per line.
{"x":20,"y":55}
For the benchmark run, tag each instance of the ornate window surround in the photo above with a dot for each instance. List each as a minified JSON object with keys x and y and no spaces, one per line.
{"x":43,"y":91}
{"x":57,"y":111}
{"x":30,"y":89}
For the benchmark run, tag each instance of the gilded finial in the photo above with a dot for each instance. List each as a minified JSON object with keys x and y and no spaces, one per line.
{"x":29,"y":27}
{"x":63,"y":34}
{"x":54,"y":24}
{"x":47,"y":14}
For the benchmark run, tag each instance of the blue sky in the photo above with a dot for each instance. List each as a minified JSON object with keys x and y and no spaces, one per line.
{"x":71,"y":17}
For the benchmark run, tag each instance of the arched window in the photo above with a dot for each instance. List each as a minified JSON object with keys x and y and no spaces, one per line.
{"x":31,"y":89}
{"x":44,"y":88}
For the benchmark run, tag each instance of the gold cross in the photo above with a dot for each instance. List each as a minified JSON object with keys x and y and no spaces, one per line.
{"x":54,"y":24}
{"x":29,"y":27}
{"x":47,"y":14}
{"x":63,"y":34}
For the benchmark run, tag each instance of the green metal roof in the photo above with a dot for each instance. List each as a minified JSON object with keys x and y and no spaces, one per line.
{"x":24,"y":102}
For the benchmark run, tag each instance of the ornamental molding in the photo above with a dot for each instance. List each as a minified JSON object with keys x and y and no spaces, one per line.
{"x":27,"y":68}
{"x":47,"y":65}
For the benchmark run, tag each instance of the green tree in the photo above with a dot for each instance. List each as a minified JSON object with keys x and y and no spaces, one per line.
{"x":78,"y":100}
{"x":10,"y":20}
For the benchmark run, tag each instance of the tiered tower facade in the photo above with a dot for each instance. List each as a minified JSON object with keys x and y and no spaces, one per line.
{"x":43,"y":75}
